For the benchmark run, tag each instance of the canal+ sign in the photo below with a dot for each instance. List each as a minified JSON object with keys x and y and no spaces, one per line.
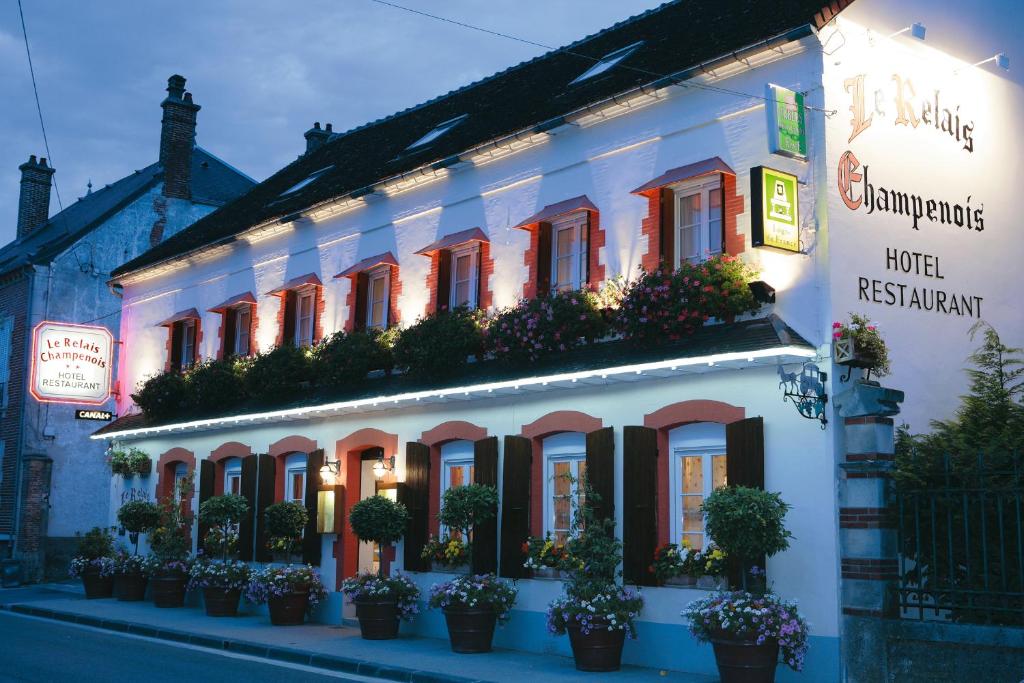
{"x":71,"y":363}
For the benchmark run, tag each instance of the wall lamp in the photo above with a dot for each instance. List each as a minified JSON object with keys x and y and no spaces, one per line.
{"x":916,"y":31}
{"x":763,"y":292}
{"x":1001,"y":60}
{"x":330,"y":471}
{"x":383,"y":465}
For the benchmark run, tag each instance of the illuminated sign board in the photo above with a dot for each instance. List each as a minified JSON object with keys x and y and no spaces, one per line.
{"x":101,"y":415}
{"x":787,"y":127}
{"x":71,"y":363}
{"x":775,"y":219}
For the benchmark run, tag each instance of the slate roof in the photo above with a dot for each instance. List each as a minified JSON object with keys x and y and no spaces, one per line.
{"x":213,"y":182}
{"x":741,"y":337}
{"x":676,"y":36}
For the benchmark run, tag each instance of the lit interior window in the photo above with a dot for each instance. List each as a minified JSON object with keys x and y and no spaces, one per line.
{"x":437,"y":132}
{"x":607,"y":62}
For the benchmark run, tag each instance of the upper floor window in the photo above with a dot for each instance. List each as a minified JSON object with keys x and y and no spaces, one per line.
{"x":698,"y":218}
{"x":464,"y":276}
{"x":569,"y":252}
{"x":233,"y":476}
{"x":697,"y":467}
{"x":242,"y":316}
{"x":183,"y":340}
{"x":369,"y":302}
{"x":295,"y":478}
{"x":377,"y":297}
{"x":565,"y":468}
{"x":305,"y":314}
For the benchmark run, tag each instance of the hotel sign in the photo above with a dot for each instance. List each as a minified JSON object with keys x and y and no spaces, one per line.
{"x":787,"y":127}
{"x":775,"y":220}
{"x":71,"y":363}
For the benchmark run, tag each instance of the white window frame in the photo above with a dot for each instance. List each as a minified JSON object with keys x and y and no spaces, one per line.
{"x":568,"y":447}
{"x":188,"y":343}
{"x":377,"y":274}
{"x":301,"y":295}
{"x":577,"y":256}
{"x":294,"y":464}
{"x":232,"y":472}
{"x":471,"y":251}
{"x":242,"y":331}
{"x":180,"y":472}
{"x":454,"y":454}
{"x":704,"y":440}
{"x":703,"y":187}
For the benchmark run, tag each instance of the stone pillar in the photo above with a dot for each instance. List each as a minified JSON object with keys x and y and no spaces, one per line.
{"x":35,"y":509}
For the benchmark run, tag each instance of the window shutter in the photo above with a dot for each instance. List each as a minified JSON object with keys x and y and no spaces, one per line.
{"x":668,"y":227}
{"x":721,"y":189}
{"x":311,"y":547}
{"x":485,"y":536}
{"x":246,"y":535}
{"x":515,"y":505}
{"x":585,"y":249}
{"x":444,"y":280}
{"x":228,"y":325}
{"x":288,"y":300}
{"x":639,"y":503}
{"x":480,"y":277}
{"x":207,"y":473}
{"x":744,"y":449}
{"x":362,"y":285}
{"x":177,"y":330}
{"x":265,"y":465}
{"x":414,"y":494}
{"x":601,"y":471}
{"x":543,"y":259}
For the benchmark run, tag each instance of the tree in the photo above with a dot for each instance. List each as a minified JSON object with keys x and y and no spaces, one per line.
{"x":378,"y":520}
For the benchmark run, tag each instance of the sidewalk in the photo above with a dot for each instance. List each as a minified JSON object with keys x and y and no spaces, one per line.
{"x":338,"y":648}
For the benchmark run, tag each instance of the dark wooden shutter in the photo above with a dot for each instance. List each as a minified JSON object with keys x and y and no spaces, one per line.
{"x":721,"y":189}
{"x":515,"y":505}
{"x":288,"y":300}
{"x":228,"y":325}
{"x":362,"y":284}
{"x":444,"y":279}
{"x":485,"y":536}
{"x":266,"y":465}
{"x":415,"y":495}
{"x":543,"y":259}
{"x":744,"y":449}
{"x":601,"y":471}
{"x":585,"y":250}
{"x":177,"y":337}
{"x":480,"y":277}
{"x":639,"y":503}
{"x":668,"y":228}
{"x":207,"y":474}
{"x":246,"y":529}
{"x":311,"y":546}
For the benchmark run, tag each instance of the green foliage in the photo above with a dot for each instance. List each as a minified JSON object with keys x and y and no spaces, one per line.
{"x":130,"y":462}
{"x":95,"y":543}
{"x":747,"y":523}
{"x":171,"y":540}
{"x":223,"y":510}
{"x":214,"y":385}
{"x":281,"y":373}
{"x":437,"y":345}
{"x":345,"y":358}
{"x":867,"y":342}
{"x":378,"y":520}
{"x":163,"y":396}
{"x":465,"y":506}
{"x":285,"y":523}
{"x":139,"y":516}
{"x":593,"y":548}
{"x":535,"y":328}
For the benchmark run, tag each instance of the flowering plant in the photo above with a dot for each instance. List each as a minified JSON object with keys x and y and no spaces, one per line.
{"x":481,"y":590}
{"x":534,"y":328}
{"x":104,"y":566}
{"x":229,"y":575}
{"x":285,"y":524}
{"x":671,"y":560}
{"x":544,"y":552}
{"x":448,"y":551}
{"x":612,"y":608}
{"x":867,"y":344}
{"x":129,"y":462}
{"x":280,"y":581}
{"x":405,"y":593}
{"x":747,"y":616}
{"x":712,"y":561}
{"x":131,"y":563}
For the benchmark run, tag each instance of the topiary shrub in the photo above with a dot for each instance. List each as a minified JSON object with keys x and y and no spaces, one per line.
{"x":346,"y":358}
{"x":214,"y":385}
{"x":465,"y":506}
{"x":163,"y":396}
{"x":535,"y":328}
{"x":222,"y":514}
{"x":747,"y":523}
{"x":285,"y":524}
{"x":138,"y":516}
{"x":281,"y":373}
{"x":437,"y":345}
{"x":95,"y":543}
{"x":378,"y":520}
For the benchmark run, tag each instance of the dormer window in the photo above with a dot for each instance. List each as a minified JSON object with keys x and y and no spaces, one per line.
{"x":301,"y":305}
{"x":305,"y":311}
{"x":305,"y":181}
{"x":236,"y":326}
{"x":569,"y":251}
{"x":457,"y":270}
{"x":437,"y":132}
{"x":607,"y":62}
{"x":183,"y":340}
{"x":371,"y":293}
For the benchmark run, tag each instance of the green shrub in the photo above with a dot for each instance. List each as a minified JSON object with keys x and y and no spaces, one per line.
{"x":281,"y":373}
{"x":171,"y":540}
{"x":95,"y":543}
{"x":438,"y":345}
{"x":345,"y":358}
{"x":139,"y":516}
{"x":285,"y":524}
{"x":378,"y":520}
{"x":464,"y":506}
{"x":130,"y":462}
{"x":223,"y":510}
{"x":746,"y":523}
{"x":163,"y":396}
{"x":214,"y":385}
{"x":535,"y":328}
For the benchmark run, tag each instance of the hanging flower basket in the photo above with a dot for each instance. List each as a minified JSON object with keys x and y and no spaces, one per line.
{"x":858,"y":344}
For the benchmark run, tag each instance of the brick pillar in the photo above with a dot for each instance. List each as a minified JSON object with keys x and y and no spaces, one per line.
{"x":35,"y":508}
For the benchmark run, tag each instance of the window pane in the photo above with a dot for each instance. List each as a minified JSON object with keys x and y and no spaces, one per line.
{"x":696,"y":541}
{"x":718,"y":479}
{"x":461,"y":293}
{"x":563,"y":512}
{"x":689,"y":244}
{"x":561,"y":484}
{"x":693,"y":518}
{"x":563,"y":274}
{"x":689,"y":210}
{"x":298,"y":485}
{"x":565,"y":242}
{"x":456,"y":476}
{"x":236,"y":485}
{"x":462,"y":265}
{"x":693,"y":474}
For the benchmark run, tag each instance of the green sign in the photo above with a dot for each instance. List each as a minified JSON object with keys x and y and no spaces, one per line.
{"x":787,"y":126}
{"x":775,"y":221}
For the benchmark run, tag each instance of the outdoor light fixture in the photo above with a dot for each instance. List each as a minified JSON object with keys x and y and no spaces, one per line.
{"x":763,"y":292}
{"x":806,"y":390}
{"x":330,"y":471}
{"x":916,"y":30}
{"x":383,"y":465}
{"x":1001,"y":60}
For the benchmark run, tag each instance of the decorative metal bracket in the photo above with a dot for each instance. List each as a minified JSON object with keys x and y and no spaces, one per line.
{"x":806,"y":391}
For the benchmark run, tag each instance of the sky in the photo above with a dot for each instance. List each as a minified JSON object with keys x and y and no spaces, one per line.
{"x":263,"y":72}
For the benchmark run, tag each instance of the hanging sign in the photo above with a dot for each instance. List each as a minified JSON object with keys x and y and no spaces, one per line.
{"x":787,"y":126}
{"x":101,"y":415}
{"x":71,"y":363}
{"x":775,"y":219}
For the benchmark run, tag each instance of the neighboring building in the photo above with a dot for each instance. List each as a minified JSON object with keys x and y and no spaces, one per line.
{"x":57,"y":269}
{"x":570,"y":171}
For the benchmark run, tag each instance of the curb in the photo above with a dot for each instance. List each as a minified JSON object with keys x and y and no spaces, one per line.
{"x":360,"y":667}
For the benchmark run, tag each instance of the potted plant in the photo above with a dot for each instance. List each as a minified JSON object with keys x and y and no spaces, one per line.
{"x":858,"y":344}
{"x":129,"y":462}
{"x":285,"y":524}
{"x":382,"y":521}
{"x":749,"y":633}
{"x":130,"y":577}
{"x":472,"y":605}
{"x":462,"y":508}
{"x":748,"y":524}
{"x":171,"y":544}
{"x":221,"y":582}
{"x":94,"y":563}
{"x":448,"y":553}
{"x":710,"y":567}
{"x":545,"y":558}
{"x":290,"y":592}
{"x":222,"y":516}
{"x":676,"y":566}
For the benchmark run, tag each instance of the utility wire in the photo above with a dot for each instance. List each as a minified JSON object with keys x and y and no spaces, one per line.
{"x":675,"y":81}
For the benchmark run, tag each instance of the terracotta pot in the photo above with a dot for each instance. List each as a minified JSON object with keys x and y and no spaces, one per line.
{"x":97,"y":586}
{"x":470,"y":629}
{"x":221,"y":602}
{"x":130,"y":587}
{"x":744,"y":661}
{"x":599,"y":650}
{"x":288,"y":609}
{"x":378,"y":618}
{"x":168,"y":591}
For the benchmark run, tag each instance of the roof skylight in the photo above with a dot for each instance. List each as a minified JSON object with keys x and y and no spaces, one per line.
{"x":306,"y":181}
{"x":607,"y":62}
{"x":439,"y":130}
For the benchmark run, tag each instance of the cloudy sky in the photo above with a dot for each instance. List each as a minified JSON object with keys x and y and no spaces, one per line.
{"x":262,"y":70}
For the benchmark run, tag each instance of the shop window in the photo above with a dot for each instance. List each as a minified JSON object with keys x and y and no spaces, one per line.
{"x":565,"y":467}
{"x":295,"y":478}
{"x":377,"y":298}
{"x":697,"y":467}
{"x":698,"y":220}
{"x":569,"y":252}
{"x":456,"y":468}
{"x":180,"y":472}
{"x":233,"y":476}
{"x":465,"y":273}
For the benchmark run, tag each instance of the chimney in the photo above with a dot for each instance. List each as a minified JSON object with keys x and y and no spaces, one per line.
{"x":316,"y":136}
{"x":177,"y":138}
{"x":34,"y":202}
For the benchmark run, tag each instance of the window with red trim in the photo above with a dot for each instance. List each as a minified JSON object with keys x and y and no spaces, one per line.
{"x":184,"y":341}
{"x":299,"y":316}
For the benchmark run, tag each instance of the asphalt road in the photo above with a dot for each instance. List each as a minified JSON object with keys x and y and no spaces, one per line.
{"x":48,"y":651}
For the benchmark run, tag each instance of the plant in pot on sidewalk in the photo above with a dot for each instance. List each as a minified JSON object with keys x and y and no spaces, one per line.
{"x":222,"y":580}
{"x":748,"y":628}
{"x":171,"y":545}
{"x":595,"y":610}
{"x":131,"y":574}
{"x":462,"y":508}
{"x":285,"y":523}
{"x":380,"y":600}
{"x":94,"y":563}
{"x":290,"y":592}
{"x":472,"y":606}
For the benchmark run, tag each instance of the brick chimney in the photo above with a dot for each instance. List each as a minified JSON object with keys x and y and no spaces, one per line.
{"x":34,"y":202}
{"x":317,"y":136}
{"x":177,"y":138}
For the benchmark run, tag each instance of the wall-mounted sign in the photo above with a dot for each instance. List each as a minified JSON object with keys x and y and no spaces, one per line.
{"x":787,"y":127}
{"x":101,"y":415}
{"x":775,"y":218}
{"x":71,"y":363}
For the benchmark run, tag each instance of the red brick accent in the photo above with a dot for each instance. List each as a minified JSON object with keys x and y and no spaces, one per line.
{"x":869,"y":569}
{"x":869,"y":420}
{"x":223,"y":452}
{"x":867,"y":518}
{"x":668,"y":418}
{"x":650,"y":227}
{"x":35,"y":493}
{"x":14,"y":301}
{"x":253,"y":323}
{"x":453,"y":430}
{"x":165,"y":469}
{"x":281,"y":449}
{"x":557,"y":422}
{"x":530,"y":261}
{"x":486,"y":271}
{"x":596,"y":241}
{"x":394,"y":291}
{"x":732,"y":207}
